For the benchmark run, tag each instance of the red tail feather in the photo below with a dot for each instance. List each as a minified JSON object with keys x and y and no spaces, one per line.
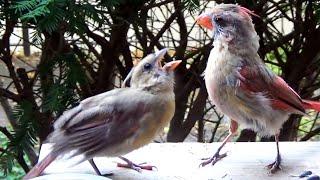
{"x":38,"y":168}
{"x":311,"y":105}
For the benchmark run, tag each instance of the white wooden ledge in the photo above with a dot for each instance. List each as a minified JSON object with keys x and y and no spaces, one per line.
{"x":181,"y":161}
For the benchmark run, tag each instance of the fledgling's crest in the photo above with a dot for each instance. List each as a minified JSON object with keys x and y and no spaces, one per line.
{"x":149,"y":73}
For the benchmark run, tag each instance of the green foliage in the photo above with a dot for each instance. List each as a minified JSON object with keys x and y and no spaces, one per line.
{"x":22,"y":138}
{"x":47,"y":14}
{"x":6,"y":164}
{"x":25,"y":5}
{"x":6,"y":158}
{"x":25,"y":135}
{"x":36,"y":38}
{"x":191,"y":5}
{"x":9,"y":169}
{"x":79,"y":14}
{"x":271,"y":58}
{"x":62,"y":94}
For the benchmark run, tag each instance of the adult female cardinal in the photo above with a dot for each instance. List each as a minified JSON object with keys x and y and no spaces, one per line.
{"x":239,"y":83}
{"x":118,"y":121}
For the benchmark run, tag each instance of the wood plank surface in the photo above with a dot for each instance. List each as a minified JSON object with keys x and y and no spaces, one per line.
{"x":245,"y":160}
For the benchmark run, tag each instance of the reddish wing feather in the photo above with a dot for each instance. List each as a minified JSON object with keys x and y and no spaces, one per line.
{"x":311,"y":105}
{"x":281,"y":95}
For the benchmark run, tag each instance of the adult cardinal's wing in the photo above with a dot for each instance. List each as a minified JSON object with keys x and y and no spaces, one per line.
{"x":258,"y":79}
{"x":113,"y":120}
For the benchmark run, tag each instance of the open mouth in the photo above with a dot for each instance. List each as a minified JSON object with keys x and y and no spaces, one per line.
{"x":170,"y":66}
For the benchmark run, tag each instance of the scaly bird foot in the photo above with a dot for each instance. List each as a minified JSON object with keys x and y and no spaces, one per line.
{"x":137,"y":167}
{"x":213,"y":160}
{"x":275,"y":166}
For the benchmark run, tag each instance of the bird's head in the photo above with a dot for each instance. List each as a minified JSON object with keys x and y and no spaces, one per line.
{"x":229,"y":22}
{"x":150,"y":75}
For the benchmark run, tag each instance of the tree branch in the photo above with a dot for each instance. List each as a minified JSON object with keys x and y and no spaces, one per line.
{"x":6,"y":132}
{"x":311,"y":134}
{"x":180,"y":50}
{"x":10,"y":95}
{"x":166,"y":25}
{"x":5,"y":50}
{"x":151,"y":5}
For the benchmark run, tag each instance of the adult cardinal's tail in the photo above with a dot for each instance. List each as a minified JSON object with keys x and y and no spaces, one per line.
{"x":311,"y":105}
{"x":38,"y":168}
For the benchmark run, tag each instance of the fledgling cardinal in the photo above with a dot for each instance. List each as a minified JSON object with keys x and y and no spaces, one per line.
{"x":119,"y":121}
{"x":239,"y":83}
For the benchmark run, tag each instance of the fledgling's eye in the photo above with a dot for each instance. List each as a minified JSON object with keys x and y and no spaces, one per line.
{"x":147,"y":66}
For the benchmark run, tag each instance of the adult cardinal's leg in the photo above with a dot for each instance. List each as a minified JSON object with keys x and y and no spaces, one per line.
{"x":275,"y":166}
{"x":134,"y":166}
{"x":217,"y":156}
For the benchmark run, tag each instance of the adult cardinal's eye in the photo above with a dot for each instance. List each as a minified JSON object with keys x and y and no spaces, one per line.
{"x":217,"y":19}
{"x":147,"y":66}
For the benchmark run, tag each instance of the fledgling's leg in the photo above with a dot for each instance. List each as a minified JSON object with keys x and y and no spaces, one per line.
{"x":94,"y":166}
{"x":275,"y":166}
{"x":217,"y":156}
{"x":136,"y":167}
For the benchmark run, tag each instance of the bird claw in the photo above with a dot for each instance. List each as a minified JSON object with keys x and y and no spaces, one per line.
{"x":275,"y":166}
{"x":213,"y":160}
{"x":136,"y":167}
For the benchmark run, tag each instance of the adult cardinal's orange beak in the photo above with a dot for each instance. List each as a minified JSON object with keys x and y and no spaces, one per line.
{"x":205,"y":21}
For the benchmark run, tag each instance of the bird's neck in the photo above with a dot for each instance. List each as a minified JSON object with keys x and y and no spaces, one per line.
{"x":227,"y":55}
{"x":220,"y":58}
{"x":241,"y":44}
{"x":166,"y":92}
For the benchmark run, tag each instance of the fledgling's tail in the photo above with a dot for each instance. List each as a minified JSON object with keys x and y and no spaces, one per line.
{"x":311,"y":105}
{"x":40,"y":166}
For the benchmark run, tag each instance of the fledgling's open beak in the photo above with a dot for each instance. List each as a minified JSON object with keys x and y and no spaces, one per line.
{"x":161,"y":53}
{"x":170,"y":66}
{"x":205,"y":20}
{"x":159,"y":56}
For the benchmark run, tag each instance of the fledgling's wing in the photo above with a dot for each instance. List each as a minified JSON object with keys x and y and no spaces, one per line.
{"x":111,"y":121}
{"x":258,"y":79}
{"x":85,"y":104}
